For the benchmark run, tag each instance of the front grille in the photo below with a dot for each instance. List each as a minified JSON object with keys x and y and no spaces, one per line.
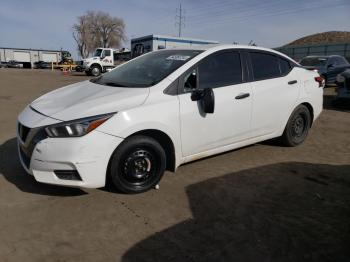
{"x":30,"y":137}
{"x":23,"y":131}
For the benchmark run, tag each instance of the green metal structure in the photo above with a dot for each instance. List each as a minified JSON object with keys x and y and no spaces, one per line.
{"x":298,"y":52}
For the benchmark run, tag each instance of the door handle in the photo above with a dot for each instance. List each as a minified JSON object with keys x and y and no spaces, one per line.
{"x":292,"y":82}
{"x":242,"y":95}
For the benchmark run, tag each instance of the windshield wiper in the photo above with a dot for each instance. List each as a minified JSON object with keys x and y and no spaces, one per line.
{"x":114,"y":84}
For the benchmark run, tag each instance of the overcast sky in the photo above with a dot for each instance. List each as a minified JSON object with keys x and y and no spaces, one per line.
{"x":271,"y":23}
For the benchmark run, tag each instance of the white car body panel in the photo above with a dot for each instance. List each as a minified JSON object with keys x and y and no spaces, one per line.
{"x":273,"y":101}
{"x":234,"y":123}
{"x":231,"y":121}
{"x":86,"y":99}
{"x":33,"y":119}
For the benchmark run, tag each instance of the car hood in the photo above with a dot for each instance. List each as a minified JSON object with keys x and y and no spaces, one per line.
{"x":86,"y":99}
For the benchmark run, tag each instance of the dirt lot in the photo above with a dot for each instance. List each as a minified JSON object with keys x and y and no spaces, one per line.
{"x":260,"y":203}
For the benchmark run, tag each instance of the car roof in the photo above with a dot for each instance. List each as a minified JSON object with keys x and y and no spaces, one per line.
{"x":218,"y":47}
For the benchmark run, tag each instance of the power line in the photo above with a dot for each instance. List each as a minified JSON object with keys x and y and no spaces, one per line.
{"x":226,"y":11}
{"x":279,"y":11}
{"x":247,"y":10}
{"x":240,"y":19}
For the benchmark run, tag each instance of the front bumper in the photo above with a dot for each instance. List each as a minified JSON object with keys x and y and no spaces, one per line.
{"x":87,"y":156}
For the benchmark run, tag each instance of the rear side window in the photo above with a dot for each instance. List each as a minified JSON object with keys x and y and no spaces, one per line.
{"x":265,"y":66}
{"x":284,"y":66}
{"x":221,"y":69}
{"x":331,"y":61}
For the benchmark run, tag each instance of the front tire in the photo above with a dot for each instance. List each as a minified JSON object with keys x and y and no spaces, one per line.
{"x":137,"y":165}
{"x":95,"y":70}
{"x":297,"y":127}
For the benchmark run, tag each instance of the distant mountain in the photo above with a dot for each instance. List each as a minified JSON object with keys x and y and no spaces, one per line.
{"x":331,"y":37}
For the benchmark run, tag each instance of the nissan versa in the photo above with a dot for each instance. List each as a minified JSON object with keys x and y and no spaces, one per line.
{"x":163,"y":109}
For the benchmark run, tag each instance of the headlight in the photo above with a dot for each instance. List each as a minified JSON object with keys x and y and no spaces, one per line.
{"x":76,"y":128}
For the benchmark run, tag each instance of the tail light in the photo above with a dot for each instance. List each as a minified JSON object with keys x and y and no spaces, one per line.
{"x":320,"y":80}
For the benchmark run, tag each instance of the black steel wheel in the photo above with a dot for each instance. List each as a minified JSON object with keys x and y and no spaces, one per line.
{"x":137,"y":165}
{"x":297,"y":127}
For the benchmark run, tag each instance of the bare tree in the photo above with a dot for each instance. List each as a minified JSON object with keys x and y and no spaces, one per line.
{"x":109,"y":31}
{"x":82,"y":35}
{"x":98,"y":29}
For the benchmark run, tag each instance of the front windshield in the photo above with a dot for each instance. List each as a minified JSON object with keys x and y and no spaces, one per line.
{"x":146,"y":70}
{"x":98,"y":52}
{"x":314,"y":61}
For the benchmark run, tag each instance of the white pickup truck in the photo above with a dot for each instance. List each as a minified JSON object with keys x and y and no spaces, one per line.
{"x":103,"y":60}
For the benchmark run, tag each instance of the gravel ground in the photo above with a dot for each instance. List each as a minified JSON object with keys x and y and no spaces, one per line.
{"x":260,"y":203}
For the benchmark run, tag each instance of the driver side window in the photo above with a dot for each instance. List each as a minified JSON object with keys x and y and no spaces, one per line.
{"x":217,"y":70}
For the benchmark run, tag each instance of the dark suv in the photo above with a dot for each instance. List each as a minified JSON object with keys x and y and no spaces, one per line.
{"x":327,"y":66}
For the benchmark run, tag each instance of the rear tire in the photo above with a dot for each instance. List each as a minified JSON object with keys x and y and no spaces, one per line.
{"x":137,"y":165}
{"x":297,"y":127}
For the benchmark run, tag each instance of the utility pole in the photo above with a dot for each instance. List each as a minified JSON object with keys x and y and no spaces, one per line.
{"x":180,"y":19}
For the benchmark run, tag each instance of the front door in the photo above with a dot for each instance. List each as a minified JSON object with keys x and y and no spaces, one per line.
{"x":230,"y":122}
{"x":107,"y":60}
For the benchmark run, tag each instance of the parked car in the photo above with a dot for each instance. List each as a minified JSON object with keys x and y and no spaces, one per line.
{"x":327,"y":66}
{"x":163,"y":109}
{"x":343,"y":80}
{"x":2,"y":65}
{"x":14,"y":64}
{"x":42,"y":65}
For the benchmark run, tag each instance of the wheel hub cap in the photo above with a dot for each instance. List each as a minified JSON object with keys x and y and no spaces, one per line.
{"x":95,"y":71}
{"x":298,"y":126}
{"x":137,"y":167}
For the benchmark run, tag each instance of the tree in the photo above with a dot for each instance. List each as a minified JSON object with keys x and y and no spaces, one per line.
{"x":82,"y":36}
{"x":98,"y":29}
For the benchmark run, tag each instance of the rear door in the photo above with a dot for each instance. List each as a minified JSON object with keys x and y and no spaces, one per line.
{"x":275,"y":91}
{"x":230,"y":122}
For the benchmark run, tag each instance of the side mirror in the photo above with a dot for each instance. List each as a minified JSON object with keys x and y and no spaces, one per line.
{"x":197,"y":94}
{"x":206,"y":99}
{"x":330,"y":66}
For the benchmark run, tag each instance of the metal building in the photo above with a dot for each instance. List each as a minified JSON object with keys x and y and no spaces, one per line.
{"x":150,"y":43}
{"x":28,"y":57}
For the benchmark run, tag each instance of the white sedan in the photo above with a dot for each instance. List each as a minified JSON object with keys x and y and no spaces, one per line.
{"x":163,"y":109}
